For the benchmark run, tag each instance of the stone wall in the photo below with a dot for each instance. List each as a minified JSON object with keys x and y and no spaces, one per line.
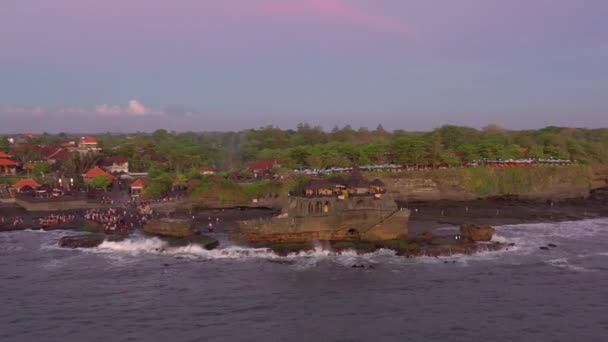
{"x":55,"y":205}
{"x":354,"y":218}
{"x":329,"y":206}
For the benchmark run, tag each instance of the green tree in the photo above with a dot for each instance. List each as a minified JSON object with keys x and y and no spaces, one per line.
{"x":100,"y":182}
{"x":299,"y":156}
{"x":4,"y":144}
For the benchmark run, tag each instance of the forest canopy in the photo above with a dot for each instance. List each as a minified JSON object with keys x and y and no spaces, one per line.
{"x":308,"y":146}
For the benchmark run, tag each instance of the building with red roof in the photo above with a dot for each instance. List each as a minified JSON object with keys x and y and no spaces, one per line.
{"x":115,"y":164}
{"x":137,"y":188}
{"x":88,"y":144}
{"x":88,"y":141}
{"x":26,"y":182}
{"x":96,"y":172}
{"x":54,"y":153}
{"x":7,"y":165}
{"x":24,"y":147}
{"x":262,"y":167}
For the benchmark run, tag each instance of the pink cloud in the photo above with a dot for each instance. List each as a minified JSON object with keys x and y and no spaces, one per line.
{"x":337,"y":9}
{"x":133,"y":109}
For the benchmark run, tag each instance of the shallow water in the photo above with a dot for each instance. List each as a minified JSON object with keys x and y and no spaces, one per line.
{"x":141,"y":290}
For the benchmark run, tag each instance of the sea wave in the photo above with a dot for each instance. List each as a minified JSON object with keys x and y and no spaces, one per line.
{"x":529,"y":237}
{"x":564,"y":263}
{"x":138,"y":246}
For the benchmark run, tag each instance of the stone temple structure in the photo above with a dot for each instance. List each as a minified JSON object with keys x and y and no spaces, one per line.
{"x":331,"y":211}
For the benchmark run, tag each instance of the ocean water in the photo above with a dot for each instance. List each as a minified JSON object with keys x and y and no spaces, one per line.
{"x":141,"y":290}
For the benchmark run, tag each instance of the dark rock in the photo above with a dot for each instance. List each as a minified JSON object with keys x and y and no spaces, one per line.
{"x":282,"y":262}
{"x":86,"y":240}
{"x":204,"y":241}
{"x":545,"y":248}
{"x":166,"y":227}
{"x":552,"y":245}
{"x":600,"y":194}
{"x":477,"y":232}
{"x":427,"y":236}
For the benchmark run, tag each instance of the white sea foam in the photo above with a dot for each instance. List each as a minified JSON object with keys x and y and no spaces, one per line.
{"x":11,"y":248}
{"x":135,"y":246}
{"x":527,"y":238}
{"x":157,"y":246}
{"x":531,"y":236}
{"x":563,"y":263}
{"x":302,"y":259}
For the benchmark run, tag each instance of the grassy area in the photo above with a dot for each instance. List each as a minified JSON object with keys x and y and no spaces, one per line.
{"x":234,"y":193}
{"x":485,"y":181}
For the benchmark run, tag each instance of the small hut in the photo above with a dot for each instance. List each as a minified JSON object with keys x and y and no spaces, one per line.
{"x":27,"y":190}
{"x":137,"y":188}
{"x":358,"y":186}
{"x":29,"y":183}
{"x":96,"y":172}
{"x":319,"y":188}
{"x":378,"y":186}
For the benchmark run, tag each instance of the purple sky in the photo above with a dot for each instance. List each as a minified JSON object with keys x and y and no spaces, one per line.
{"x":90,"y":65}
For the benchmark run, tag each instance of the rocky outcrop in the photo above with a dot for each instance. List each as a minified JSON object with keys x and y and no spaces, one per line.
{"x":306,"y":219}
{"x":204,"y":241}
{"x":477,"y":232}
{"x":166,"y":227}
{"x":600,"y":195}
{"x":86,"y":240}
{"x":419,"y":247}
{"x":454,"y":249}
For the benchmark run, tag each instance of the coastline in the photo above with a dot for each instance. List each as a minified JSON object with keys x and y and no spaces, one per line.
{"x":427,"y":223}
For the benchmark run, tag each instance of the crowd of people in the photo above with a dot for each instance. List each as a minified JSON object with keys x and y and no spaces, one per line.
{"x":56,"y":220}
{"x":12,"y":221}
{"x":118,"y":215}
{"x":117,"y":220}
{"x":112,"y":220}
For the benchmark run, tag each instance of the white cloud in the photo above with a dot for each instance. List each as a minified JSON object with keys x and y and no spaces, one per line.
{"x":133,"y":109}
{"x":136,"y":108}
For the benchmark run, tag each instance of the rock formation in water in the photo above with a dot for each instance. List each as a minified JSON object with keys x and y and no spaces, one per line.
{"x":176,"y":228}
{"x":86,"y":240}
{"x":179,"y":233}
{"x":477,"y":232}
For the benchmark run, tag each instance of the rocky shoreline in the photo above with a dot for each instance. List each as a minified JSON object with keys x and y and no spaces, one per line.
{"x":472,"y":239}
{"x":425,"y":237}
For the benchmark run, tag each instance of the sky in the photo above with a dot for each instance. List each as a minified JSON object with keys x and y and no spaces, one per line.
{"x":207,"y":65}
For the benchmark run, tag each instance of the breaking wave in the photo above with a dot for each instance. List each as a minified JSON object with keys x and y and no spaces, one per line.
{"x":526,"y":237}
{"x":138,"y":246}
